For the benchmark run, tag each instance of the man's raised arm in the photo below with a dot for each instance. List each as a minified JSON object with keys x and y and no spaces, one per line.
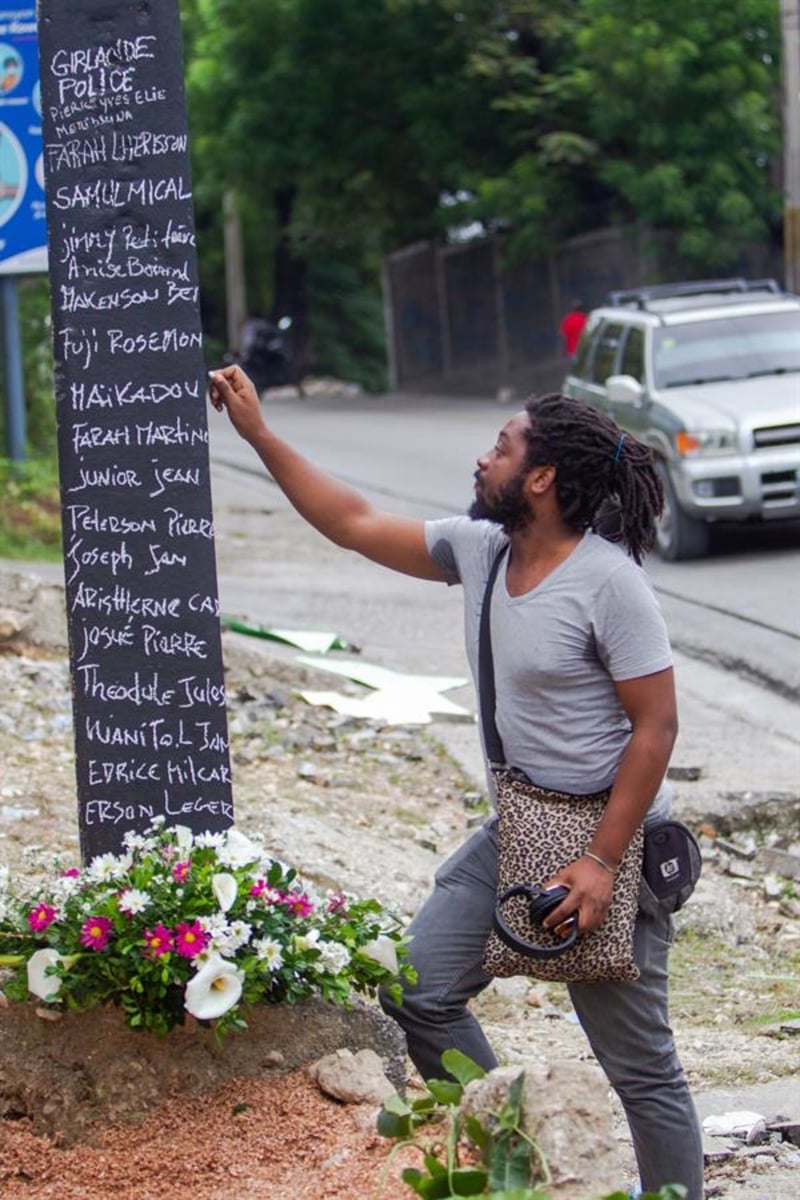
{"x":336,"y":510}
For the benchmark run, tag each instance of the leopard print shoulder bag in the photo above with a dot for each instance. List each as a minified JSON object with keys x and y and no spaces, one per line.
{"x":539,"y":832}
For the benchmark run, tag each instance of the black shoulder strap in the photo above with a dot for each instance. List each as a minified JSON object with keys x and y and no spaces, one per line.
{"x":487,"y":695}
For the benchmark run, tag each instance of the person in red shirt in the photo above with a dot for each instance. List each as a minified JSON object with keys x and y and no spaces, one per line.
{"x":572,"y":327}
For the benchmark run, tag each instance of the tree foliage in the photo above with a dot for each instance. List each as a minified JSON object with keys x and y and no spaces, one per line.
{"x":682,"y":98}
{"x":350,"y":129}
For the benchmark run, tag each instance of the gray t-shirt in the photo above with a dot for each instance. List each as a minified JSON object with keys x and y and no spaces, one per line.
{"x":558,"y":650}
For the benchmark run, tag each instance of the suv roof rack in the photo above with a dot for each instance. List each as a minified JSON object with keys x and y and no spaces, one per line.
{"x":661,"y":291}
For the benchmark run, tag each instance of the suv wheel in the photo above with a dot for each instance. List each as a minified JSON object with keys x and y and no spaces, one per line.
{"x":678,"y":535}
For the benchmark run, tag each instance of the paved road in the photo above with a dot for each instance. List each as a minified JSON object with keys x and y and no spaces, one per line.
{"x":739,"y":608}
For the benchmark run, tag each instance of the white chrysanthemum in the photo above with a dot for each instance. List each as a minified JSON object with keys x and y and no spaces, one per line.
{"x":306,"y":941}
{"x":133,"y":901}
{"x":96,"y":896}
{"x":334,"y":957}
{"x":214,"y":990}
{"x":270,"y":952}
{"x":108,"y":866}
{"x":66,"y":886}
{"x":215,"y":926}
{"x":225,"y":888}
{"x":39,"y":982}
{"x":230,"y":939}
{"x":238,"y":850}
{"x":134,"y":842}
{"x":210,"y":841}
{"x":241,"y":932}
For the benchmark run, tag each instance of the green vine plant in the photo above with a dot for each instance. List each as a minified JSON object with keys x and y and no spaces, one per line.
{"x":465,"y":1156}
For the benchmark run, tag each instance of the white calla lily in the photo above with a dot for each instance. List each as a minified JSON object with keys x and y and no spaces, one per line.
{"x":39,"y":983}
{"x":184,"y":838}
{"x":383,"y":951}
{"x":224,"y":887}
{"x":238,"y":850}
{"x":215,"y":988}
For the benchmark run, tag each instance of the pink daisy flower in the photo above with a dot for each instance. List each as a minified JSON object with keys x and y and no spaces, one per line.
{"x":261,"y":890}
{"x":298,"y":904}
{"x":95,"y":933}
{"x":180,"y":872}
{"x":71,"y":873}
{"x":158,"y":941}
{"x":191,"y":939}
{"x":41,"y":917}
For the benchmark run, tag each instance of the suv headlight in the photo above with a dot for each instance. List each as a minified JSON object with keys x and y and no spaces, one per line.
{"x":707,"y":443}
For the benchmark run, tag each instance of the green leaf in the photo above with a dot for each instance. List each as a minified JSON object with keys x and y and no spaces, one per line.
{"x":477,"y":1132}
{"x":393,"y":1125}
{"x":429,"y":1187}
{"x":414,"y":1178}
{"x":435,"y":1167}
{"x":445,"y":1091}
{"x":396,"y":1104}
{"x":468,"y":1181}
{"x":461,"y":1067}
{"x":510,"y":1164}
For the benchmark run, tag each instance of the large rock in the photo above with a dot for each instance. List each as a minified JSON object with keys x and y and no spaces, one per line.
{"x":75,"y":1076}
{"x":352,"y":1078}
{"x":566,"y":1112}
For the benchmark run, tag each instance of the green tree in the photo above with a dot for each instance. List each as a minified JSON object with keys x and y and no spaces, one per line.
{"x":616,"y":111}
{"x":341,"y":123}
{"x":683,"y":100}
{"x":350,"y":129}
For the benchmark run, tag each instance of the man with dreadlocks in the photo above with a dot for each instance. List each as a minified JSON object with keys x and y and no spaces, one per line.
{"x":585,"y":701}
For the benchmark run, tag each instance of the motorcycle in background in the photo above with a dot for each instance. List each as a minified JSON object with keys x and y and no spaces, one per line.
{"x":266,"y":352}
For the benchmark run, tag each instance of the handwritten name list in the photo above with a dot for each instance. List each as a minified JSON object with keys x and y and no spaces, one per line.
{"x":148,"y":696}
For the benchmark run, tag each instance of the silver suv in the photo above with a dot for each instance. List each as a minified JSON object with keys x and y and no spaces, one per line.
{"x":708,"y":375}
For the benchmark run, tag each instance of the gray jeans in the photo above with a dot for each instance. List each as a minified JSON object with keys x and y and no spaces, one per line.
{"x":627,"y":1024}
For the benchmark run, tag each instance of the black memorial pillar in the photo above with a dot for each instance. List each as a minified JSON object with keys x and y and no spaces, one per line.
{"x":143,"y":614}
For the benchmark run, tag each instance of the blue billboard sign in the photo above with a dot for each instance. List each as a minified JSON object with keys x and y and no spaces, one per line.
{"x":23,"y":228}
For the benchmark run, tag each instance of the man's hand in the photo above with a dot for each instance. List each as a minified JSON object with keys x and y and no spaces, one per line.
{"x":231,"y":388}
{"x":590,"y":888}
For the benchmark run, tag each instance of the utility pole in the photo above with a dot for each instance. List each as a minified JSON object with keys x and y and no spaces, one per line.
{"x":790,"y":30}
{"x":235,"y":298}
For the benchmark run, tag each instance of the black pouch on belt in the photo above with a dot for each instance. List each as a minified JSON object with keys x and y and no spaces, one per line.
{"x":672,"y":863}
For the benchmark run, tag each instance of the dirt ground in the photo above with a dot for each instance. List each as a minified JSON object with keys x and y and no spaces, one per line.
{"x":373,"y":810}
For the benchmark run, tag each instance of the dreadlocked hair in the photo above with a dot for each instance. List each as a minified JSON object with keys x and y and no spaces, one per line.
{"x":605,"y":479}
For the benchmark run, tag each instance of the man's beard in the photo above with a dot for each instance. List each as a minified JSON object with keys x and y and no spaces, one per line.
{"x":509,"y":509}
